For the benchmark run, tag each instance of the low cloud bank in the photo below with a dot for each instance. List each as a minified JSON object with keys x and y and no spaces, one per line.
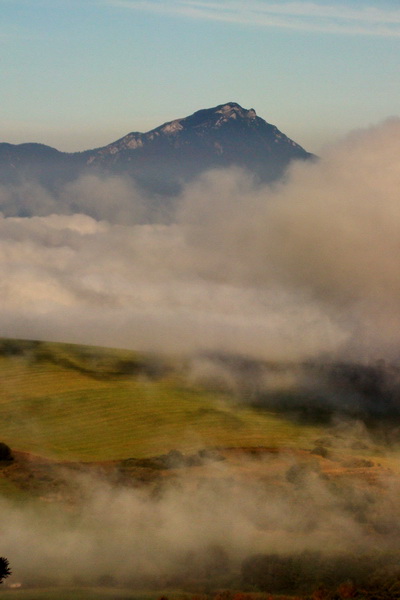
{"x":305,"y":268}
{"x":198,"y":528}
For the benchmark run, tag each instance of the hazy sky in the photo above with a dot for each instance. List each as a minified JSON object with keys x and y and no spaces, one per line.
{"x":81,"y":73}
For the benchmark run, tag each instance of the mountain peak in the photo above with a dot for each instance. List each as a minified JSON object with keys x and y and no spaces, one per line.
{"x":216,"y":137}
{"x":163,"y":159}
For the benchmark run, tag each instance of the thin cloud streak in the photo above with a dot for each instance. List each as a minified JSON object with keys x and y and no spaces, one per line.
{"x":301,"y":16}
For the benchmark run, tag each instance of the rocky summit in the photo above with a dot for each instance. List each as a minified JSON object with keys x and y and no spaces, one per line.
{"x":210,"y":138}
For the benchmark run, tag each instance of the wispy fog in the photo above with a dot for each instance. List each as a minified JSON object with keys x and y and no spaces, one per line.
{"x":201,"y":526}
{"x":305,"y":268}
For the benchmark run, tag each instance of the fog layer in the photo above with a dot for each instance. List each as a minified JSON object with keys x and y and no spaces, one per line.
{"x":199,"y":527}
{"x":303,"y":268}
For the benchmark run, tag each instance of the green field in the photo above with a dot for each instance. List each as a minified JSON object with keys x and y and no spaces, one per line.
{"x":75,"y":403}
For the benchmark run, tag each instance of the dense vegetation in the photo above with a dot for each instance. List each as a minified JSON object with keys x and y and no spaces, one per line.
{"x":346,"y":574}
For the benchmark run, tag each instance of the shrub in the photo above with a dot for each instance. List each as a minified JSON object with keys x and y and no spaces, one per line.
{"x":5,"y":452}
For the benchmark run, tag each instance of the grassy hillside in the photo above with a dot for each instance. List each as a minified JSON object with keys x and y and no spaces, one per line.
{"x":76,"y":403}
{"x":79,"y":403}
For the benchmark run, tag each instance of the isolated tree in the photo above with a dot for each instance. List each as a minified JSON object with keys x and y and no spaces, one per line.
{"x":5,"y":570}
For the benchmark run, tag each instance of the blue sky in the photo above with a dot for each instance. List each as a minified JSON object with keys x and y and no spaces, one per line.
{"x":80,"y":73}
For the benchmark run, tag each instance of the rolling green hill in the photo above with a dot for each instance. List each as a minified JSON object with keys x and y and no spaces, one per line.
{"x":88,"y":404}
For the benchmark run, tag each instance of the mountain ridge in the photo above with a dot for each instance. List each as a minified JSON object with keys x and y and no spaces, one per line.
{"x":162,"y":160}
